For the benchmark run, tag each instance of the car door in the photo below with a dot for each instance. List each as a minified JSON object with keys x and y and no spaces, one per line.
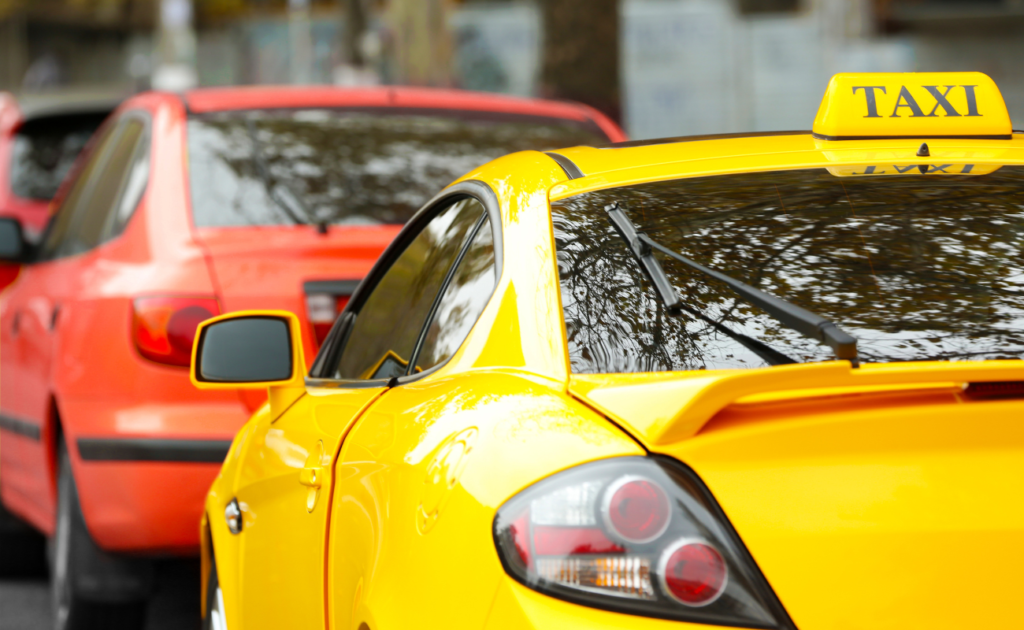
{"x":284,"y":486}
{"x":35,"y":307}
{"x":399,"y":464}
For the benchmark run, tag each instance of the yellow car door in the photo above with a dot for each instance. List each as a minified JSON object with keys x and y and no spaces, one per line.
{"x":284,"y":483}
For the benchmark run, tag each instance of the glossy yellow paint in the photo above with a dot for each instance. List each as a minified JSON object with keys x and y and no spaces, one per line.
{"x":912,"y":104}
{"x":865,"y":496}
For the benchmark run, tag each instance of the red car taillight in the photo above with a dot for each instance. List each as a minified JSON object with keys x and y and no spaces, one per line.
{"x":322,"y":309}
{"x":639,"y":535}
{"x":165,"y":327}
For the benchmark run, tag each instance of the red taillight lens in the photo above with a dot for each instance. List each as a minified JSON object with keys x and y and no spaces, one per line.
{"x":693,"y":572}
{"x":639,"y":535}
{"x":322,"y":309}
{"x":636,"y":509}
{"x":164,"y":328}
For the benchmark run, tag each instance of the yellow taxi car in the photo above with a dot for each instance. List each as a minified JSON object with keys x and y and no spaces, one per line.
{"x":760,"y":381}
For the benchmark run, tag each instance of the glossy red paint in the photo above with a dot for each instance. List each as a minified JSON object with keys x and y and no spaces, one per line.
{"x":71,"y":369}
{"x":213,"y":99}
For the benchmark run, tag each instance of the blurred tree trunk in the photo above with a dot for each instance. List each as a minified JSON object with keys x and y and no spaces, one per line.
{"x":355,"y":26}
{"x":421,"y":41}
{"x":581,"y":53}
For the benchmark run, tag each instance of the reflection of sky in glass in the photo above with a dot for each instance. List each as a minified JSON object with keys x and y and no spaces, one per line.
{"x":346,"y":167}
{"x":916,"y":267}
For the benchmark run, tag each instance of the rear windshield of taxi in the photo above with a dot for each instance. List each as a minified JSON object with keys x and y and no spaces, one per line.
{"x":44,"y":150}
{"x":338,"y":167}
{"x":916,"y":266}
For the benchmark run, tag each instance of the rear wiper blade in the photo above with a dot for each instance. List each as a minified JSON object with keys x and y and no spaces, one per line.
{"x":790,"y":315}
{"x":667,"y":293}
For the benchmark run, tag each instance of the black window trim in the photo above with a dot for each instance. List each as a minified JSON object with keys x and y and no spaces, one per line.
{"x":114,"y":121}
{"x":335,"y":342}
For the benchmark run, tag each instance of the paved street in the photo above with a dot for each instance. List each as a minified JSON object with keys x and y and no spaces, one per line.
{"x":25,"y":603}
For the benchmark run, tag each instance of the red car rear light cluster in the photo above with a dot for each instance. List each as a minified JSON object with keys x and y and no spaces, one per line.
{"x":640,"y":535}
{"x":322,"y":309}
{"x":164,"y":327}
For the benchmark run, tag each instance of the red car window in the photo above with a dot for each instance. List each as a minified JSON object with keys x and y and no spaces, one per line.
{"x":348,"y":167}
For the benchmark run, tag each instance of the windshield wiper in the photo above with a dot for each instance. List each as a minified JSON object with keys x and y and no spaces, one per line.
{"x":790,"y":315}
{"x":667,"y":293}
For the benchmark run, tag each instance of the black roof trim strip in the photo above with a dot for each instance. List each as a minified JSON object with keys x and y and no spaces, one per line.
{"x":571,"y":170}
{"x":818,"y":136}
{"x":153,"y":450}
{"x":21,"y":427}
{"x":713,"y":136}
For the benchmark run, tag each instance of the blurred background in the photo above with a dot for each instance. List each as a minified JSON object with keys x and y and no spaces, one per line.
{"x":660,"y":67}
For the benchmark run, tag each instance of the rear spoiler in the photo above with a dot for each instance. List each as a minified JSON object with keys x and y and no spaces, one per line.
{"x":663,"y":408}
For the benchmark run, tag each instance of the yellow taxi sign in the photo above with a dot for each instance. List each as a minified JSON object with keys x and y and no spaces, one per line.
{"x":867,"y":106}
{"x":912,"y":169}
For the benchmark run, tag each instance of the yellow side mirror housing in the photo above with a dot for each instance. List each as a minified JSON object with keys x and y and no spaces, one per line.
{"x":251,"y":350}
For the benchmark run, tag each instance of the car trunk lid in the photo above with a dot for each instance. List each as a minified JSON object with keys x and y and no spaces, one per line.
{"x":885,"y":497}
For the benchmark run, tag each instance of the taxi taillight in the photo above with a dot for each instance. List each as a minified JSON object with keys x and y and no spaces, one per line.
{"x":164,"y":327}
{"x":638,"y":535}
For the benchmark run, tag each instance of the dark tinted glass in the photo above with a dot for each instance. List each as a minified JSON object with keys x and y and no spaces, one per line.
{"x":464,"y":299}
{"x":917,"y":267}
{"x":44,"y":150}
{"x":252,"y":349}
{"x":105,"y":193}
{"x":346,"y":167}
{"x":76,"y":200}
{"x":388,"y":325}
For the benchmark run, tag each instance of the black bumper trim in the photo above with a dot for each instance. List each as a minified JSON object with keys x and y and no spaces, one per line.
{"x":334,"y":287}
{"x":21,"y":427}
{"x":152,"y":450}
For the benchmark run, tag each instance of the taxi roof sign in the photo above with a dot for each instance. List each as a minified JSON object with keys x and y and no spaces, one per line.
{"x":917,"y":105}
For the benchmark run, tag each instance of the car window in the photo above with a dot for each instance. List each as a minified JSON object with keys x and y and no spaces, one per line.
{"x":45,"y":148}
{"x":464,"y":299}
{"x":110,"y":182}
{"x":106,"y":193}
{"x":382,"y":338}
{"x":75,"y":201}
{"x":343,"y":167}
{"x":917,"y":267}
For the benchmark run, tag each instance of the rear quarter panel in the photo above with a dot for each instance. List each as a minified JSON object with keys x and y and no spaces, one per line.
{"x":418,"y":484}
{"x":898,"y":510}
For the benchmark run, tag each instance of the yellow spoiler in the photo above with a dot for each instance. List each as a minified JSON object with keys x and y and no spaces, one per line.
{"x":663,"y":408}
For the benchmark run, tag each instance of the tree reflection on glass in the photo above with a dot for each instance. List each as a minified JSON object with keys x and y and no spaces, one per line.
{"x":346,"y":167}
{"x":922,"y":267}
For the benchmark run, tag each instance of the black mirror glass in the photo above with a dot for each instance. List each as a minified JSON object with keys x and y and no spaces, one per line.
{"x":245,"y":350}
{"x":12,"y":245}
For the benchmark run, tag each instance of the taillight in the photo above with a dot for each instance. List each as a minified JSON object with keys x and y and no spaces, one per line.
{"x":640,"y":535}
{"x":322,"y":309}
{"x":165,"y":327}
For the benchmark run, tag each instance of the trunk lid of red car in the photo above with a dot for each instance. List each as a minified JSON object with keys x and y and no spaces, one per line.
{"x":292,"y":268}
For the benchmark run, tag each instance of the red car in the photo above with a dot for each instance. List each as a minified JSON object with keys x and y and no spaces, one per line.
{"x":38,"y":144}
{"x":185,"y":207}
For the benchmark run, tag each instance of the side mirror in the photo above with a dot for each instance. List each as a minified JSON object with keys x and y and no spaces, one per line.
{"x":251,"y":350}
{"x":12,"y":241}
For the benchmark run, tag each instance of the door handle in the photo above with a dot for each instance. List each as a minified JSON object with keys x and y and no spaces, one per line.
{"x":311,"y":476}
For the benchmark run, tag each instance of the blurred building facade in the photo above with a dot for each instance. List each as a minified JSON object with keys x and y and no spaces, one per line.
{"x":685,"y":66}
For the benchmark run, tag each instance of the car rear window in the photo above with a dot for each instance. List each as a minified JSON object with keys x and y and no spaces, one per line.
{"x":348,"y":167}
{"x":917,"y":267}
{"x":44,"y":150}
